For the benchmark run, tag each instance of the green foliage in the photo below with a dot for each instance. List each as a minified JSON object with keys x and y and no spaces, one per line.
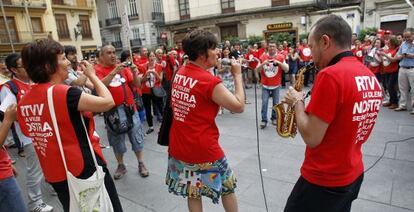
{"x":303,"y":36}
{"x":252,"y":39}
{"x":278,"y":38}
{"x":232,"y":39}
{"x":367,"y":31}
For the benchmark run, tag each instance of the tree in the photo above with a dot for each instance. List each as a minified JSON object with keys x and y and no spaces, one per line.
{"x":367,"y":31}
{"x":278,"y":38}
{"x":252,"y":39}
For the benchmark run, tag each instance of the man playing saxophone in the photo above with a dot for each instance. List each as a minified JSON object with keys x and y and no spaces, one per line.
{"x":339,"y":118}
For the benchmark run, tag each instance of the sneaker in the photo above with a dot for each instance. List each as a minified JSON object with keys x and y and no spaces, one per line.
{"x":150,"y":130}
{"x":400,"y":109}
{"x":392,"y":106}
{"x":274,"y":122}
{"x":142,"y":170}
{"x":263,"y":125}
{"x":42,"y":208}
{"x":120,"y":172}
{"x":412,"y":112}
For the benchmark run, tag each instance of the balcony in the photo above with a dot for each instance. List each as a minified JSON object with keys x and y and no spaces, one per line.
{"x":136,"y":42}
{"x":86,"y":5}
{"x":341,"y":3}
{"x":31,"y":4}
{"x":117,"y":44}
{"x":113,"y":22}
{"x":158,"y":17}
{"x":133,"y":16}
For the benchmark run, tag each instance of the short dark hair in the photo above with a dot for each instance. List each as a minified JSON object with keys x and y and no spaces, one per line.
{"x":11,"y":60}
{"x":394,"y":41}
{"x":124,"y":55}
{"x":336,"y":28}
{"x":197,"y":42}
{"x":70,"y":49}
{"x":381,"y":41}
{"x":40,"y":59}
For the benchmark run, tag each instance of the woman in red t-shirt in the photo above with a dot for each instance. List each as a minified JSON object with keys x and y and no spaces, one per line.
{"x":151,"y":74}
{"x":47,"y":66}
{"x":390,"y":64}
{"x":197,"y":165}
{"x":375,"y":58}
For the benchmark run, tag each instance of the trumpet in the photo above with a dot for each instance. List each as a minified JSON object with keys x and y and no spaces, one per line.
{"x":285,"y":115}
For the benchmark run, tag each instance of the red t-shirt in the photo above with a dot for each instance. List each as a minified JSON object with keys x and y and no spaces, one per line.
{"x":358,"y":53}
{"x":34,"y":115}
{"x":260,"y":52}
{"x":390,"y":67}
{"x":374,"y":66}
{"x":140,"y":60}
{"x":249,"y":56}
{"x":194,"y":135}
{"x":115,"y":87}
{"x":347,"y":96}
{"x":6,"y":170}
{"x":305,"y":53}
{"x":271,"y":75}
{"x":152,"y":80}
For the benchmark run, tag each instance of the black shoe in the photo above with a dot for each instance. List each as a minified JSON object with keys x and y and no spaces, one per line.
{"x":149,"y":131}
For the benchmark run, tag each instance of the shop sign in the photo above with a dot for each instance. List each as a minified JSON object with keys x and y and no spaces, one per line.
{"x":287,"y":25}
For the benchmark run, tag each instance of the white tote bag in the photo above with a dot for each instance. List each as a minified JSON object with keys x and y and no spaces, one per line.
{"x":86,"y":195}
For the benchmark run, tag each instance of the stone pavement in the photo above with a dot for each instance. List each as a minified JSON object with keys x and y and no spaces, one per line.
{"x":388,"y":187}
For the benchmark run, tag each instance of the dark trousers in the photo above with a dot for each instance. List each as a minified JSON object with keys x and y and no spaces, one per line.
{"x":391,"y":80}
{"x":309,"y":197}
{"x":156,"y":103}
{"x":62,"y":191}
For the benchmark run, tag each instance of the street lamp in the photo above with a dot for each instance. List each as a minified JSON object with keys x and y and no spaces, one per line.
{"x":78,"y":30}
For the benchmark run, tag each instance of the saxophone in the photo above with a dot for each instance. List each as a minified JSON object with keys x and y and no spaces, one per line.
{"x":285,"y":114}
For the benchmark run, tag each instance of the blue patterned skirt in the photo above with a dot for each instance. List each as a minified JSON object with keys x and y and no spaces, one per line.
{"x":212,"y":179}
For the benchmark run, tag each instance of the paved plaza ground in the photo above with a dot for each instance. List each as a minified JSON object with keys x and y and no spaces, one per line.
{"x":388,"y":187}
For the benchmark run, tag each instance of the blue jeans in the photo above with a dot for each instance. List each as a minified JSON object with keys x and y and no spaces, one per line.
{"x":266,"y":93}
{"x":10,"y":196}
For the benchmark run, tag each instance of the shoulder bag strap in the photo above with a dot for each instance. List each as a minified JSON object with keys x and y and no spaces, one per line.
{"x":55,"y":125}
{"x":57,"y":133}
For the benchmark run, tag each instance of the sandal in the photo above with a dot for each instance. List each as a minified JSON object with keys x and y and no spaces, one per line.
{"x":142,"y":170}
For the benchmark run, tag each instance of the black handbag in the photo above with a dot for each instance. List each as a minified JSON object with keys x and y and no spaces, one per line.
{"x":158,"y":92}
{"x":119,"y":119}
{"x":164,"y":133}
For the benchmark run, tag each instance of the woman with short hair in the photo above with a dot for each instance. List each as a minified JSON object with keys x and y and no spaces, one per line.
{"x":197,"y":165}
{"x":47,"y":66}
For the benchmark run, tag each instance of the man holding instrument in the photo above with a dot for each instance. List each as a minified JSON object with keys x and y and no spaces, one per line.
{"x":340,"y":116}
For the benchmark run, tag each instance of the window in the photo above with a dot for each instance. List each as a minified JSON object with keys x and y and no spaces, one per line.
{"x":86,"y":27}
{"x":58,"y":2}
{"x":157,"y":6}
{"x":37,"y":24}
{"x":4,"y":37}
{"x":227,"y":6}
{"x":276,"y":3}
{"x":135,"y":33}
{"x":184,"y":9}
{"x":62,"y":26}
{"x":113,"y":11}
{"x":132,"y":8}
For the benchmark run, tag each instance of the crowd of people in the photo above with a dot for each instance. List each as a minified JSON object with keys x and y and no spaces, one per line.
{"x":203,"y":80}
